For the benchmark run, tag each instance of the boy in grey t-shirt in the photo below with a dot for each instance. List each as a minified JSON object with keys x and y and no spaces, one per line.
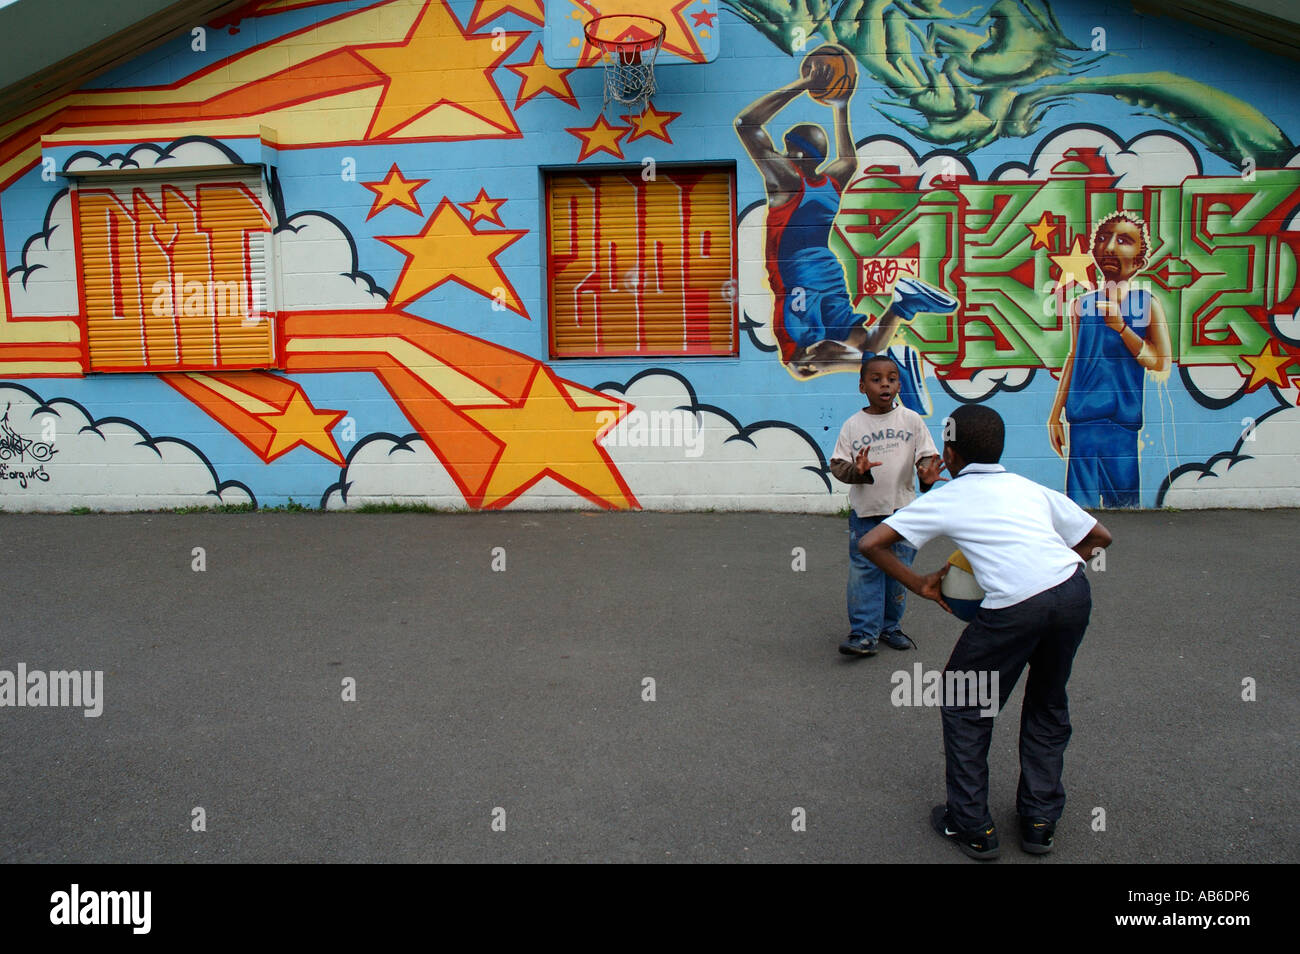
{"x":879,"y":449}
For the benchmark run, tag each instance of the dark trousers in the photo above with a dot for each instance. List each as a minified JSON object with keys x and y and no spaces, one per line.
{"x":1044,"y":632}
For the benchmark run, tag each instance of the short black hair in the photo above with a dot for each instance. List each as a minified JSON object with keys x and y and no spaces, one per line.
{"x":976,"y":433}
{"x":872,"y":359}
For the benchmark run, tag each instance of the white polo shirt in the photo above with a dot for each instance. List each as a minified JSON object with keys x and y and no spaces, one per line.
{"x":1016,"y":534}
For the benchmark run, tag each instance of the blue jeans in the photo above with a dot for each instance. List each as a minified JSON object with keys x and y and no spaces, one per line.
{"x":876,"y":600}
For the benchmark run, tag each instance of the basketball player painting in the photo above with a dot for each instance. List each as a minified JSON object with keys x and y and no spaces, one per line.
{"x":814,"y":321}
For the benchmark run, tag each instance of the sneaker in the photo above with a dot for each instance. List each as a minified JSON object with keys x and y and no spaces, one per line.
{"x":1036,"y":835}
{"x":981,"y":845}
{"x":859,"y":645}
{"x":897,"y":640}
{"x":911,"y":295}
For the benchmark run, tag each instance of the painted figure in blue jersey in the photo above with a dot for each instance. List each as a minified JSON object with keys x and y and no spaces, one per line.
{"x":1117,"y":334}
{"x":814,"y":321}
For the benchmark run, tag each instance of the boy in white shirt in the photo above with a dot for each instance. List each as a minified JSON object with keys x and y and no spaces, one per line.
{"x":1026,"y":546}
{"x":898,"y":441}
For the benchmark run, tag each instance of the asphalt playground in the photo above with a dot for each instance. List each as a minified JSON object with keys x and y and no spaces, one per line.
{"x":504,"y":714}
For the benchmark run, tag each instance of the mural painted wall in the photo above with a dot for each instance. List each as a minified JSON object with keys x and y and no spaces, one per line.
{"x":359,"y":251}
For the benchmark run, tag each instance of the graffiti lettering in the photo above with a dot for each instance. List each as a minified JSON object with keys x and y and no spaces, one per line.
{"x":13,"y":444}
{"x":181,"y":270}
{"x":23,"y":476}
{"x":678,"y":258}
{"x":879,"y":274}
{"x":1218,"y":260}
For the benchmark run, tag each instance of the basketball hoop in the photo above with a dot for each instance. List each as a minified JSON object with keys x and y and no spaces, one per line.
{"x":622,"y":38}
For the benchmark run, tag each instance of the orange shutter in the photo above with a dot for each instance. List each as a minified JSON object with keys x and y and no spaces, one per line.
{"x":642,"y":267}
{"x":174,"y":273}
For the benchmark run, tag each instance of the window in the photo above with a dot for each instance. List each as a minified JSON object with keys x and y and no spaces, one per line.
{"x":174,"y":272}
{"x":642,"y":266}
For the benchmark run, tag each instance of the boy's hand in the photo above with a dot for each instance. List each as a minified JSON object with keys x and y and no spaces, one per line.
{"x":932,"y":587}
{"x":863,"y":462}
{"x":928,"y":470}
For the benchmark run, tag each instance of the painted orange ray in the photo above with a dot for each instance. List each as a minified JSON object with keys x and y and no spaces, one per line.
{"x":269,"y":413}
{"x":448,"y":384}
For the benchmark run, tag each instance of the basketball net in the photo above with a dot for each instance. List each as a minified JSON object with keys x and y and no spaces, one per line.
{"x":629,"y":63}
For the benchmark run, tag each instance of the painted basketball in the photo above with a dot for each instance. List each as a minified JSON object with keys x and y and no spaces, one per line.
{"x":842,"y":75}
{"x":960,"y":591}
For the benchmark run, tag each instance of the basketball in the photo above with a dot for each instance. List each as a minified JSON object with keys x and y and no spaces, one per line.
{"x":960,"y":591}
{"x":843,"y":72}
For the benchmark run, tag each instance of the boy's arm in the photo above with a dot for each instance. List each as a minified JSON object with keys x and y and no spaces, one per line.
{"x":847,"y":473}
{"x":1098,"y":538}
{"x":877,"y":545}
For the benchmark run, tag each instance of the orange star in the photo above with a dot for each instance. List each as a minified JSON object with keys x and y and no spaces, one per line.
{"x":300,"y":423}
{"x":431,"y":67}
{"x":1267,"y":366}
{"x":547,"y":435}
{"x":450,"y":249}
{"x":483,"y":208}
{"x":394,"y":190}
{"x":539,"y":78}
{"x":600,"y":137}
{"x":652,"y":122}
{"x":485,"y":11}
{"x":678,"y":37}
{"x":1043,"y":232}
{"x":1074,"y":264}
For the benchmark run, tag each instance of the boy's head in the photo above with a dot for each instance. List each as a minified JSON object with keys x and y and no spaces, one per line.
{"x":975,"y":434}
{"x":1120,"y":246}
{"x":878,"y":380}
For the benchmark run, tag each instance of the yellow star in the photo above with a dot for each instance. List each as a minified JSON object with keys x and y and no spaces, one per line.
{"x":300,"y":423}
{"x":599,"y":137}
{"x":483,"y":208}
{"x":652,"y":122}
{"x":1267,"y":366}
{"x":539,"y":78}
{"x":394,"y":190}
{"x":485,"y":11}
{"x":1042,"y":232}
{"x":450,"y":249}
{"x":438,"y":63}
{"x":547,"y":435}
{"x":1074,"y":264}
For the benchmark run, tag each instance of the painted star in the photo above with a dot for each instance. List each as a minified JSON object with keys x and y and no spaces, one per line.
{"x":450,"y":249}
{"x":539,"y":78}
{"x":485,"y":11}
{"x":431,"y":68}
{"x":599,"y":137}
{"x":652,"y":122}
{"x":483,"y":208}
{"x":1267,"y":366}
{"x":394,"y":190}
{"x":1074,"y":264}
{"x":300,"y":423}
{"x":548,"y":435}
{"x":703,"y":19}
{"x":1043,"y":232}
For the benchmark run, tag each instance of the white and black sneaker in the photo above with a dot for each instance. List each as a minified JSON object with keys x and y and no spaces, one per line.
{"x":980,"y":844}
